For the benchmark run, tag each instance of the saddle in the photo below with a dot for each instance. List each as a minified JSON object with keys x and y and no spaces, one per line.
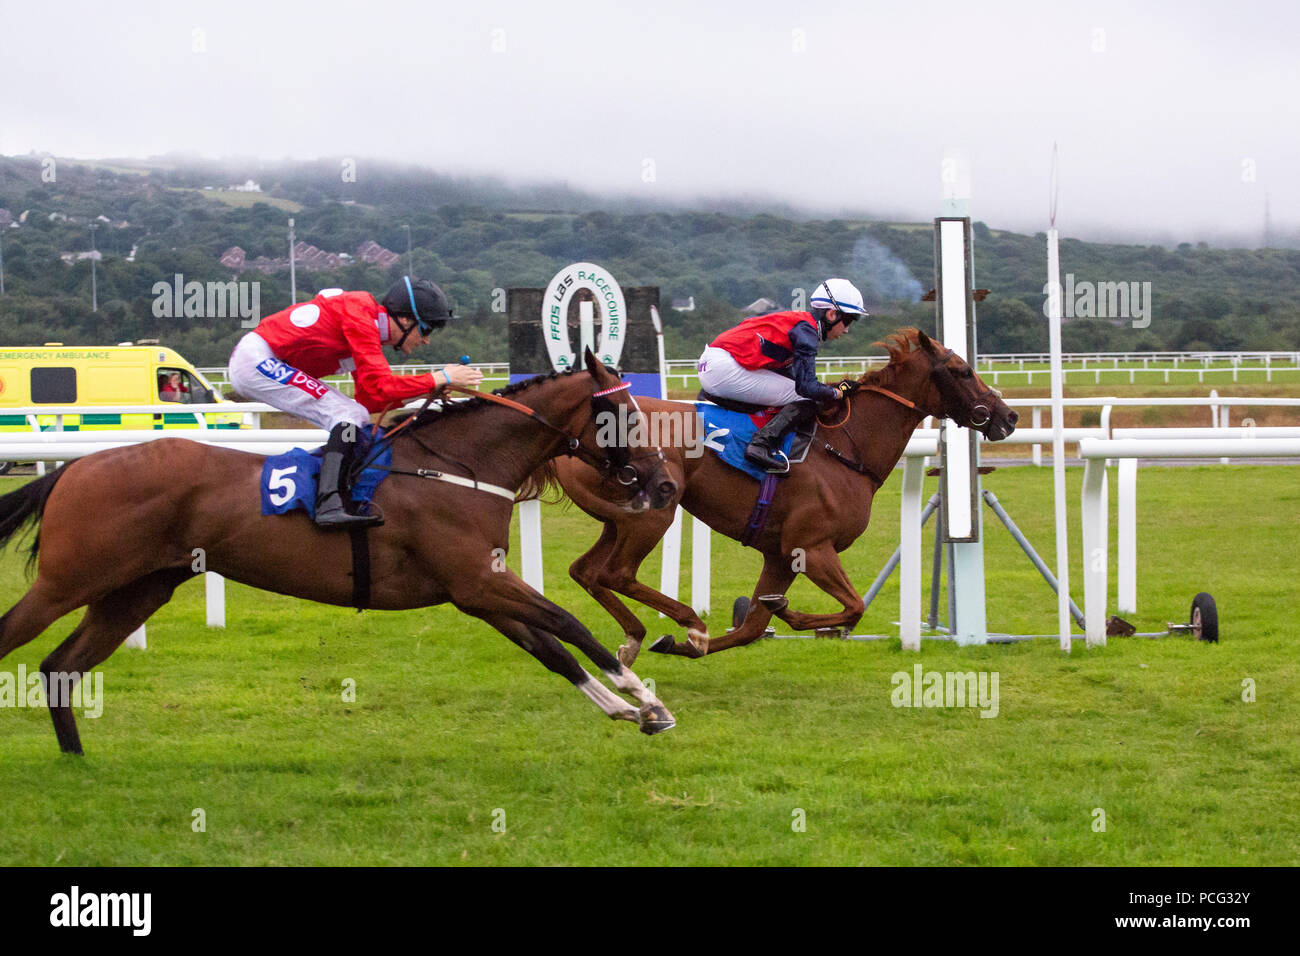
{"x":733,"y":405}
{"x":730,"y":424}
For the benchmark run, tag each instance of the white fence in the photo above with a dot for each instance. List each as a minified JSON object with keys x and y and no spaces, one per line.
{"x":1096,"y":445}
{"x":493,"y":372}
{"x":1081,"y":367}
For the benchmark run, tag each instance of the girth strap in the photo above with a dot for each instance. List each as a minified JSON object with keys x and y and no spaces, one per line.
{"x":758,"y":517}
{"x":360,"y":567}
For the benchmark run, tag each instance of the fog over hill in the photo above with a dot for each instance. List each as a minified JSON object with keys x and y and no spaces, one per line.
{"x":1174,"y":121}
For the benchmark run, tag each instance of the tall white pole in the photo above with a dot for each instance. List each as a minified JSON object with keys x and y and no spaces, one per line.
{"x":1058,"y":423}
{"x":663,"y":366}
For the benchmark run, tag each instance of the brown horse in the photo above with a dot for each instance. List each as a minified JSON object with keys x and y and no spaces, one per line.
{"x":119,"y":530}
{"x":820,"y":508}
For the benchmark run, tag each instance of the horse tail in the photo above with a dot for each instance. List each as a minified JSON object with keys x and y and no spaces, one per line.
{"x":27,"y":504}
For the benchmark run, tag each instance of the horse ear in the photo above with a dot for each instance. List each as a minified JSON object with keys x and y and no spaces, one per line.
{"x":925,"y":341}
{"x":589,"y":361}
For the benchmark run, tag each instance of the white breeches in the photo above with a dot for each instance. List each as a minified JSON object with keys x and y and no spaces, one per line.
{"x":258,"y":376}
{"x":722,"y":375}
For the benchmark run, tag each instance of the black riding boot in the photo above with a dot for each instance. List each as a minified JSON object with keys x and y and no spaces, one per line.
{"x":332,"y":495}
{"x":764,"y":448}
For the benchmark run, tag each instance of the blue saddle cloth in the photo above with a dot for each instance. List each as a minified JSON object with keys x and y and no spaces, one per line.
{"x":728,"y":433}
{"x":289,"y":480}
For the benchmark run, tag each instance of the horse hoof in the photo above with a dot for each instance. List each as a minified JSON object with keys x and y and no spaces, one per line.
{"x":663,"y":645}
{"x":655,"y":719}
{"x":774,"y":602}
{"x":627,"y":655}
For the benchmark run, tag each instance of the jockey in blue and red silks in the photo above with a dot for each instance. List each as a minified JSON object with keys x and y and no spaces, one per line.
{"x":772,"y":360}
{"x":282,"y":361}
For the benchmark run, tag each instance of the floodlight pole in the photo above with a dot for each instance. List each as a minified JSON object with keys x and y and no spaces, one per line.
{"x":410,"y":266}
{"x":293,"y":275}
{"x":94,"y":279}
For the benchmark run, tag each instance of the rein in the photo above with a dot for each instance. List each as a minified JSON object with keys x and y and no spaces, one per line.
{"x":626,"y":474}
{"x":844,"y":459}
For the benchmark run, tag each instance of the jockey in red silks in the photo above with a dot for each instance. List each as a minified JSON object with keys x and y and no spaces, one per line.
{"x":772,"y":360}
{"x":282,"y":361}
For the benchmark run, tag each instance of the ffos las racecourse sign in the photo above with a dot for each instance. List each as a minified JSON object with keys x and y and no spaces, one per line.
{"x":555,"y":314}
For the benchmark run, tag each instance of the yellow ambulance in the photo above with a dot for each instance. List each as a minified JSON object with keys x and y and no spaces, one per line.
{"x":145,"y":373}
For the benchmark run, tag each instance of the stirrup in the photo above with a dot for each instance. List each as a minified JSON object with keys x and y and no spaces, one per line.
{"x":768,"y":461}
{"x":339,"y":517}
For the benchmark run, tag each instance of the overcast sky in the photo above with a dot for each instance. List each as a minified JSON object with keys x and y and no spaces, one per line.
{"x":1173,"y":119}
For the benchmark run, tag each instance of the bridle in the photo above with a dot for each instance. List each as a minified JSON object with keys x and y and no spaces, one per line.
{"x":945,"y":387}
{"x":946,"y":390}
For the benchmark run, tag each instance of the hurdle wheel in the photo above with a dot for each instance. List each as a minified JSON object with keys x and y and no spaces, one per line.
{"x":739,"y":610}
{"x":1205,"y":618}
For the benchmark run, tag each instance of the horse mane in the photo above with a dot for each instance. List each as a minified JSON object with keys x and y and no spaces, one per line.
{"x":900,"y":345}
{"x":546,"y":477}
{"x":430,"y":416}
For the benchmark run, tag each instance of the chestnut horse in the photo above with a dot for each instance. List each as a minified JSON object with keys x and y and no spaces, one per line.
{"x":119,"y":531}
{"x":820,"y":508}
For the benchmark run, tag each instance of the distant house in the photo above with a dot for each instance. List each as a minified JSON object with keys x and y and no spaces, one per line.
{"x":761,"y":307}
{"x":71,"y":257}
{"x":311,"y":259}
{"x":371,"y":251}
{"x":684,"y":305}
{"x":308,"y":258}
{"x":248,"y":187}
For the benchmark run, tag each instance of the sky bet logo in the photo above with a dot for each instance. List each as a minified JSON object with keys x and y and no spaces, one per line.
{"x":133,"y":910}
{"x":278,"y":371}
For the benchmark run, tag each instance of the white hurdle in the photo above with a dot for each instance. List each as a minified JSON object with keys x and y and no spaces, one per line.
{"x":1094,"y":452}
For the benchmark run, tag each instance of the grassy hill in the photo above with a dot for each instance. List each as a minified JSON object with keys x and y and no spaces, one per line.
{"x":477,"y":235}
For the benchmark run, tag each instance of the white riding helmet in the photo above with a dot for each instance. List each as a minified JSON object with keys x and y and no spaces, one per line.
{"x":839,"y":294}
